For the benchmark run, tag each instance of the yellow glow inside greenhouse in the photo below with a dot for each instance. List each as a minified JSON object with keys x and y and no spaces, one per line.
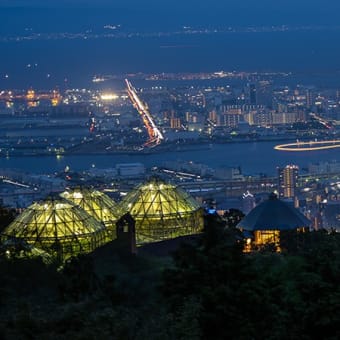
{"x":57,"y":227}
{"x":162,"y":211}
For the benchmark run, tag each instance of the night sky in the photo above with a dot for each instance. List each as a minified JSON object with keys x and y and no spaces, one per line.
{"x":155,"y":13}
{"x":303,"y":49}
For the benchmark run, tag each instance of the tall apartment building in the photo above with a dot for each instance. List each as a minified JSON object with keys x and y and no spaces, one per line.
{"x":287,"y":180}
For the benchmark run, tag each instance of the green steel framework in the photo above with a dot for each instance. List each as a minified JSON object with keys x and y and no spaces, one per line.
{"x":162,"y":211}
{"x":57,"y":227}
{"x":98,"y":205}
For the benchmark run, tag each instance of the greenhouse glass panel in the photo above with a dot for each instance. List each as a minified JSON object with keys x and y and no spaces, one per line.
{"x":58,"y":227}
{"x":162,"y":211}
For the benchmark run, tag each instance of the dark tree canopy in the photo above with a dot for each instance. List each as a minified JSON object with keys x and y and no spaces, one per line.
{"x":261,"y":295}
{"x":7,"y":215}
{"x":210,"y":289}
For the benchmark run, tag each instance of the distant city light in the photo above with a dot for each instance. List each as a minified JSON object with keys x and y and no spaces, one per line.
{"x":108,"y":96}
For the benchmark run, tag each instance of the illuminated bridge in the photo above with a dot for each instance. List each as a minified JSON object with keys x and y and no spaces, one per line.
{"x":155,"y":136}
{"x":309,"y":146}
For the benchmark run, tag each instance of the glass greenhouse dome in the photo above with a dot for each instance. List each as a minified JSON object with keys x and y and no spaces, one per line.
{"x":96,"y":204}
{"x":57,"y":227}
{"x":162,"y":211}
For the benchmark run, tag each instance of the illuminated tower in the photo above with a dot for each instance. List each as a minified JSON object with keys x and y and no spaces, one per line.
{"x":288,"y":177}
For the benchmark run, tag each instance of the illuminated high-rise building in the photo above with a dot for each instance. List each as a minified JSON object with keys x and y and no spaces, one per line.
{"x":213,"y":116}
{"x":175,"y":123}
{"x":288,"y":178}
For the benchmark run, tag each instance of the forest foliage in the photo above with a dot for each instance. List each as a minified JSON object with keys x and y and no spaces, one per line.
{"x":208,"y":289}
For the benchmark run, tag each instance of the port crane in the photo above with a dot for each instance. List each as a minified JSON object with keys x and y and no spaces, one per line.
{"x":155,"y":135}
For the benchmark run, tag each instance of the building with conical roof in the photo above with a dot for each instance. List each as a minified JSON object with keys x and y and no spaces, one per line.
{"x":97,"y":204}
{"x":58,"y":227}
{"x":162,"y":211}
{"x":270,"y":218}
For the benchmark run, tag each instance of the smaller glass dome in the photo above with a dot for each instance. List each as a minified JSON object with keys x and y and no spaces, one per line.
{"x":58,"y":227}
{"x":97,"y":204}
